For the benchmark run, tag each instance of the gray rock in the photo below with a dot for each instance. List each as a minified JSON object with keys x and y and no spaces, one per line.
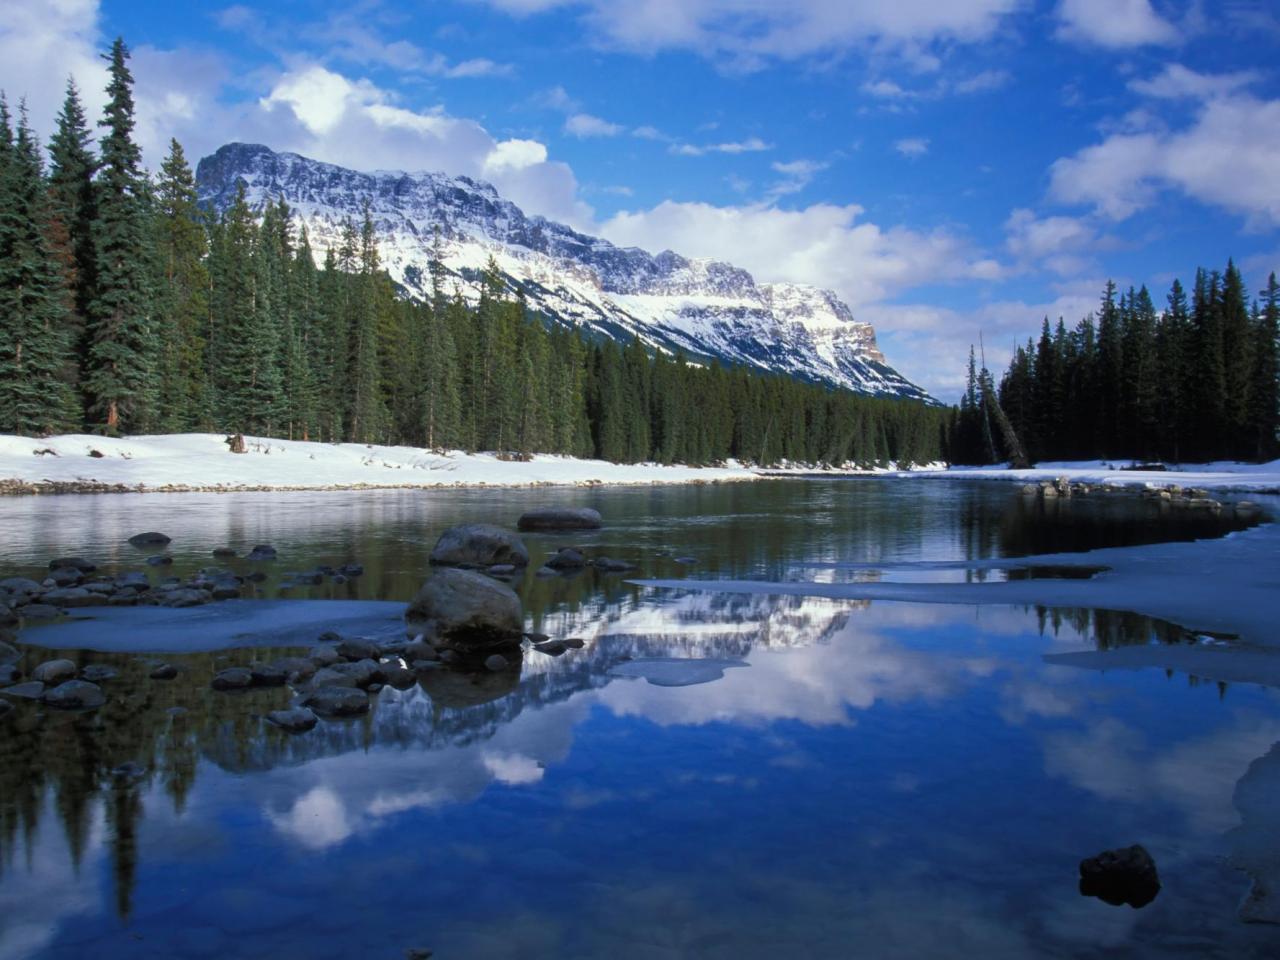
{"x":31,"y":690}
{"x":268,"y":675}
{"x":297,"y":669}
{"x":502,"y":570}
{"x":186,"y":598}
{"x":9,"y":653}
{"x":71,"y":597}
{"x":223,"y":553}
{"x":357,"y":648}
{"x":160,"y":560}
{"x":133,"y":579}
{"x":544,"y":572}
{"x":164,"y":671}
{"x":567,"y":559}
{"x":294,"y":720}
{"x":99,"y":586}
{"x":561,"y":518}
{"x":397,"y":676}
{"x":78,"y":563}
{"x":479,"y":545}
{"x":609,"y":565}
{"x":420,"y":649}
{"x":66,"y":577}
{"x":150,"y":539}
{"x":467,"y":608}
{"x":53,"y":672}
{"x":324,"y":656}
{"x":19,"y":585}
{"x":338,"y":702}
{"x":262,"y":551}
{"x":75,"y":695}
{"x":9,"y":674}
{"x":495,"y":663}
{"x":233,"y":678}
{"x":225,"y":590}
{"x":425,"y":666}
{"x":98,"y":673}
{"x":40,"y":611}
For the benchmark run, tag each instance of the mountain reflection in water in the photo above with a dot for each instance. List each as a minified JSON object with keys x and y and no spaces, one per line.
{"x":916,"y":778}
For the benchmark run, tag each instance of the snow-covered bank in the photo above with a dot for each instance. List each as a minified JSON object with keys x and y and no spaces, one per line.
{"x":202,"y":462}
{"x":1222,"y":476}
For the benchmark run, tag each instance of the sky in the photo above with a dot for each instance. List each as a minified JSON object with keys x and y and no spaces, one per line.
{"x":952,"y":170}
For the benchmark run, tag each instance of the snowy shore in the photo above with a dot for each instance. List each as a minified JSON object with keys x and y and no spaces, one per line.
{"x":201,"y":462}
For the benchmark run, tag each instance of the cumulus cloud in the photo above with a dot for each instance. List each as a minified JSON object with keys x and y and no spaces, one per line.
{"x":1176,"y":82}
{"x":912,"y":147}
{"x":1225,"y":158}
{"x":796,"y":175}
{"x":1115,"y":24}
{"x":822,"y":244}
{"x":1059,"y":243}
{"x":749,"y":33}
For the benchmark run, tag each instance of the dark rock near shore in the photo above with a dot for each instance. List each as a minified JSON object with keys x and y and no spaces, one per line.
{"x":467,"y":608}
{"x":40,"y":611}
{"x":561,"y":518}
{"x":1126,"y":875}
{"x":609,"y":565}
{"x":98,"y":673}
{"x":71,"y":597}
{"x":31,"y":690}
{"x":224,"y":553}
{"x":163,"y":671}
{"x":338,"y":702}
{"x":294,"y":720}
{"x":233,"y":678}
{"x":75,"y":563}
{"x":567,"y":559}
{"x":160,"y":560}
{"x":9,"y":653}
{"x":75,"y":695}
{"x":552,"y":648}
{"x":262,"y":551}
{"x":150,"y":539}
{"x":268,"y":675}
{"x":479,"y":545}
{"x":66,"y":577}
{"x":53,"y":672}
{"x":356,"y":648}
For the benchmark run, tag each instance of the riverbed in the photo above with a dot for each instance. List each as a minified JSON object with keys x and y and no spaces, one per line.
{"x":839,"y":775}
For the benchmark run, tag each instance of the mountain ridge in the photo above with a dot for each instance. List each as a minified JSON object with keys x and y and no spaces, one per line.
{"x":707,"y":308}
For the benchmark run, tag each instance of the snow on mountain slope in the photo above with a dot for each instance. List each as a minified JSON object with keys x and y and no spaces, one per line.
{"x":706,"y":308}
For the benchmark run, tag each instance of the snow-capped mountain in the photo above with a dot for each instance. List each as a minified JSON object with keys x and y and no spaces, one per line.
{"x":707,"y":308}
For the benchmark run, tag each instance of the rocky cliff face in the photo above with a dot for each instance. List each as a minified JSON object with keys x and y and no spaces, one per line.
{"x":706,"y":308}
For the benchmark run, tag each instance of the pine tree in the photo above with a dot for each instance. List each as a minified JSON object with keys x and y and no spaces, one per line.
{"x":1264,"y":394}
{"x":181,"y":297}
{"x":72,"y":166}
{"x":34,"y":350}
{"x":119,"y":376}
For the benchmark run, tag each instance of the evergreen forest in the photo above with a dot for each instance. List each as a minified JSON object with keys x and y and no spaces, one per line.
{"x":126,"y":308}
{"x":1193,"y":382}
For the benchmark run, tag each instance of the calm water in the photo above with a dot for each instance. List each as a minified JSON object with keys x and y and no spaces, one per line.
{"x":863,"y":780}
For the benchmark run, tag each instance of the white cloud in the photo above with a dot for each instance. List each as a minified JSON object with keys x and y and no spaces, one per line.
{"x":796,"y":175}
{"x":1225,"y":158}
{"x":1115,"y":24}
{"x":1061,"y":244}
{"x":749,"y":33}
{"x":584,"y":125}
{"x":822,"y":244}
{"x":1178,"y":82}
{"x":912,"y":147}
{"x":750,"y":145}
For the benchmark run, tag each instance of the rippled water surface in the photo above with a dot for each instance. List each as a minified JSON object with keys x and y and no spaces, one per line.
{"x":843,"y":778}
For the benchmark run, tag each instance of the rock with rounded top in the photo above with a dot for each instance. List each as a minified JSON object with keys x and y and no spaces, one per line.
{"x":98,"y":673}
{"x":163,"y":671}
{"x":31,"y":690}
{"x":560,"y":518}
{"x":150,"y":539}
{"x":567,"y":559}
{"x":467,"y":609}
{"x":358,"y":648}
{"x":338,"y":701}
{"x":297,"y":669}
{"x":268,"y":675}
{"x":71,"y":597}
{"x":19,"y":586}
{"x":293,"y":720}
{"x":9,"y":674}
{"x":324,"y":655}
{"x":262,"y":551}
{"x":53,"y":672}
{"x":186,"y":598}
{"x":75,"y":563}
{"x":40,"y":611}
{"x":66,"y":577}
{"x":233,"y":678}
{"x":609,"y":565}
{"x":75,"y":695}
{"x":479,"y":545}
{"x":496,"y":663}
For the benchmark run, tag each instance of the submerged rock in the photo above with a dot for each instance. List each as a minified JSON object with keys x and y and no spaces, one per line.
{"x":150,"y":539}
{"x":467,"y":608}
{"x":294,"y":720}
{"x":78,"y":563}
{"x":479,"y":545}
{"x":1125,"y":875}
{"x":567,"y":559}
{"x":560,"y":518}
{"x":262,"y":551}
{"x":338,"y":702}
{"x":609,"y":565}
{"x":233,"y":678}
{"x":75,"y":695}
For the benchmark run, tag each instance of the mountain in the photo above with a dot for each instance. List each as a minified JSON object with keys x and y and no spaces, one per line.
{"x":707,"y":308}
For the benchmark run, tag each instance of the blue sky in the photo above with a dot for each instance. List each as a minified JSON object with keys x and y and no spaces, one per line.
{"x":948,"y":168}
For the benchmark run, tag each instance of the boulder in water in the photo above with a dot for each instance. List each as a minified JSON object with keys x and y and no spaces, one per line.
{"x":75,"y":695}
{"x":150,"y":539}
{"x":1126,"y":875}
{"x":479,"y":545}
{"x":560,"y":518}
{"x":467,"y":609}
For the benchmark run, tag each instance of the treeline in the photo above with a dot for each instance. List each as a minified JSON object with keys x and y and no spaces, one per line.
{"x":1195,"y":381}
{"x":127,"y":309}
